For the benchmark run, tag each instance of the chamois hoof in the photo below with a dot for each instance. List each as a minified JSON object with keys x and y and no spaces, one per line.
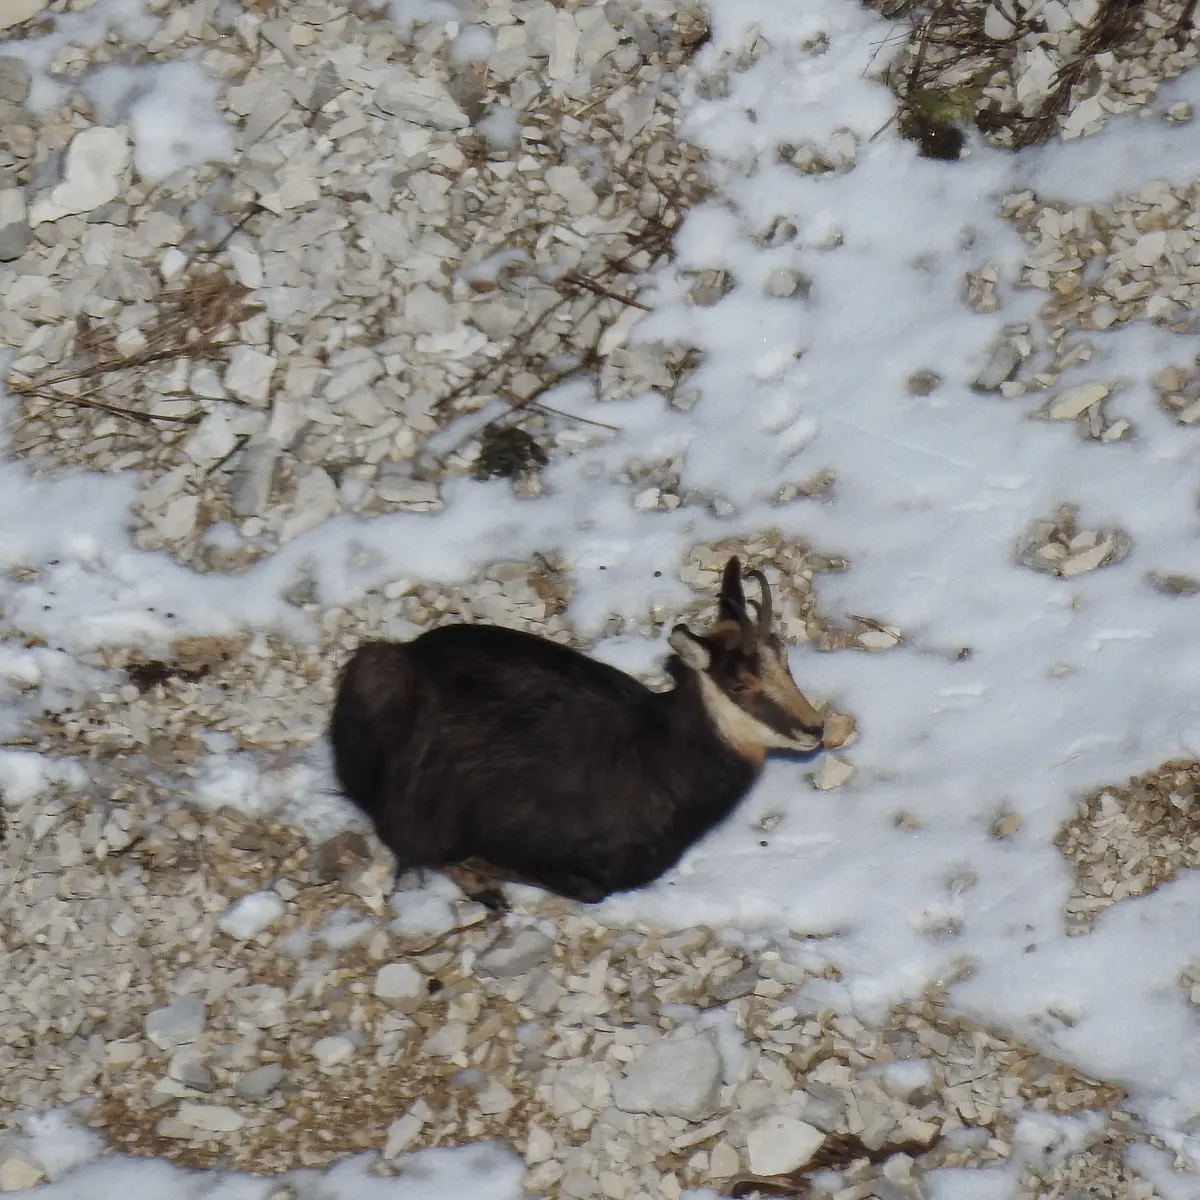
{"x":492,"y":898}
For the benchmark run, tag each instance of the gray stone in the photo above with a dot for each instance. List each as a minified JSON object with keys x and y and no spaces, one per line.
{"x":115,"y":212}
{"x":14,"y":241}
{"x":16,"y":79}
{"x":18,"y":114}
{"x":215,"y":1118}
{"x":326,"y":84}
{"x":779,"y":1145}
{"x":399,"y":981}
{"x":259,"y":1083}
{"x":250,"y":489}
{"x":510,"y":955}
{"x":14,"y":224}
{"x":14,"y":12}
{"x":186,"y":1069}
{"x":94,"y":171}
{"x":1001,"y":367}
{"x":248,"y":375}
{"x":315,"y":501}
{"x":673,"y":1079}
{"x":17,"y":1173}
{"x":543,"y":992}
{"x":733,"y":987}
{"x":176,"y":1024}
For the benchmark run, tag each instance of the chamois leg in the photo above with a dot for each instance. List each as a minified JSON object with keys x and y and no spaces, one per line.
{"x":478,"y":881}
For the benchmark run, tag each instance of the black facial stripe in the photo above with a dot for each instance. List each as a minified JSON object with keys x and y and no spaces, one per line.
{"x":775,"y":716}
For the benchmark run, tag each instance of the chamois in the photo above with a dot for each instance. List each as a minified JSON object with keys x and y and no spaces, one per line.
{"x":474,"y":742}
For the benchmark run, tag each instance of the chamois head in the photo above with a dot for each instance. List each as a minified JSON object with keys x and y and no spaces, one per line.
{"x":744,"y":678}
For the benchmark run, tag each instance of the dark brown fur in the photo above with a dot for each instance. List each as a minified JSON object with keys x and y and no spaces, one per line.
{"x":475,"y":741}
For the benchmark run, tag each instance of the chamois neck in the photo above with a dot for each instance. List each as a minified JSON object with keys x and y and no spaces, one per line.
{"x":695,"y":713}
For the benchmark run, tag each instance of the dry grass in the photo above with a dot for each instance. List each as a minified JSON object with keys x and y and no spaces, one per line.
{"x":196,"y":320}
{"x":951,"y":60}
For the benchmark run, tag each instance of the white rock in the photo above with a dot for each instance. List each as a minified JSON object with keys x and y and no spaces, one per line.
{"x":996,"y":25}
{"x":510,"y":956}
{"x":597,"y":36}
{"x":316,"y":501}
{"x":417,"y":492}
{"x":13,"y":12}
{"x":1083,"y":116}
{"x":428,"y":311}
{"x":1089,"y":560}
{"x":540,"y":1146}
{"x":366,"y":408}
{"x":878,"y":639}
{"x":784,"y":282}
{"x":833,"y":773}
{"x":781,"y":1144}
{"x":673,"y":1079}
{"x":248,"y":376}
{"x":16,"y":1172}
{"x":249,"y":916}
{"x":119,"y":1054}
{"x":1036,"y":77}
{"x":724,"y":1161}
{"x":14,"y":226}
{"x":259,"y":1083}
{"x":1150,"y":247}
{"x":460,"y":342}
{"x":204,"y":380}
{"x":399,"y":981}
{"x":564,"y":47}
{"x":403,"y":1130}
{"x":448,"y":1040}
{"x":186,"y":1068}
{"x":176,"y":1024}
{"x":423,"y":100}
{"x":216,"y":1118}
{"x":569,"y":184}
{"x":247,"y":266}
{"x":172,"y":264}
{"x":495,"y":1098}
{"x":178,"y":519}
{"x":250,"y":488}
{"x":348,"y":379}
{"x":93,"y":174}
{"x":329,"y":1051}
{"x":1001,"y":366}
{"x":1076,"y":402}
{"x":213,"y":440}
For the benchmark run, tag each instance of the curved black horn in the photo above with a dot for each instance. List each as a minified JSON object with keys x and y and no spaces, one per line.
{"x":765,"y":615}
{"x":731,"y":605}
{"x":748,"y":630}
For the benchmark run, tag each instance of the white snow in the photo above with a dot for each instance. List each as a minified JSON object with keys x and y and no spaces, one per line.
{"x":249,"y":916}
{"x":170,"y":110}
{"x":932,"y":493}
{"x":480,"y":1172}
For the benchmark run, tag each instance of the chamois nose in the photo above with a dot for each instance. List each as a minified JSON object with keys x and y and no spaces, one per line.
{"x":805,"y":718}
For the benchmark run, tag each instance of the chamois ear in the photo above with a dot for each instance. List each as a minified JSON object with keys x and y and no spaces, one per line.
{"x":690,"y":648}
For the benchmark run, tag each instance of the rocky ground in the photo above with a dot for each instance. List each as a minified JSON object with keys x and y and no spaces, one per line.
{"x":222,"y":992}
{"x":325,"y":323}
